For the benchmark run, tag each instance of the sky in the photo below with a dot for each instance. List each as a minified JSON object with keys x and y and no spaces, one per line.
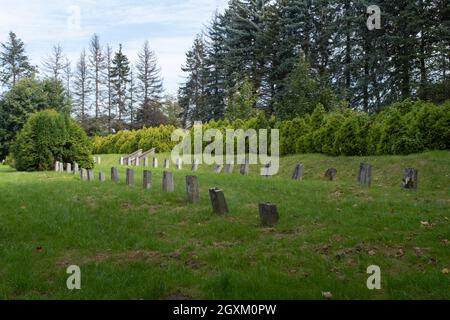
{"x":170,"y":26}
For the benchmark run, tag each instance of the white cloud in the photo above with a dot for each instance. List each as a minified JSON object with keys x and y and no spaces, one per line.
{"x":169,"y":25}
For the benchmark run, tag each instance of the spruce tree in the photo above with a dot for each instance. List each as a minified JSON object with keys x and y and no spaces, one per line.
{"x":120,"y":76}
{"x":14,"y":63}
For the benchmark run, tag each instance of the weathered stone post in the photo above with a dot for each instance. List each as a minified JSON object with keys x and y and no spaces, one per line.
{"x":298,"y":172}
{"x":114,"y":174}
{"x":146,"y":162}
{"x":245,"y":168}
{"x":69,"y":168}
{"x":411,"y":179}
{"x":179,"y":164}
{"x":83,"y":174}
{"x":268,"y":214}
{"x":218,"y":201}
{"x":195,"y":164}
{"x":166,"y":164}
{"x":155,"y":162}
{"x":101,"y":177}
{"x":147,"y":179}
{"x":192,"y":189}
{"x":168,"y":185}
{"x":229,"y":167}
{"x":56,"y":166}
{"x":61,"y":167}
{"x":121,"y":161}
{"x":331,"y":174}
{"x":76,"y":168}
{"x":90,"y":174}
{"x":218,"y":168}
{"x":130,"y":177}
{"x":365,"y":175}
{"x":138,"y":161}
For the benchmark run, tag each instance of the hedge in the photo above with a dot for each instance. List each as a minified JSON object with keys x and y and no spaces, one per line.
{"x":403,"y":128}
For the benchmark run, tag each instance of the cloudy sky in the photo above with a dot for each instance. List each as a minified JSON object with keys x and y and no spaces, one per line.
{"x":169,"y":25}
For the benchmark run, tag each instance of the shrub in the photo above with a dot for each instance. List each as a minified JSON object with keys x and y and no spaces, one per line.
{"x":49,"y":136}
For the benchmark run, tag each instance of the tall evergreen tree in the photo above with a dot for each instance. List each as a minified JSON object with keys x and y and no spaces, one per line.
{"x":56,"y":64}
{"x":96,"y":69}
{"x":14,"y":63}
{"x":81,"y":89}
{"x":120,"y":75}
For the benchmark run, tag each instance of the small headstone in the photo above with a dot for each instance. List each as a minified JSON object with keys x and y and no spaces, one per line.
{"x":99,"y":160}
{"x":130,"y":177}
{"x":76,"y":168}
{"x":268,"y":214}
{"x":166,"y":164}
{"x":83,"y":174}
{"x":114,"y":174}
{"x":229,"y":168}
{"x":195,"y":165}
{"x":137,"y":161}
{"x":365,"y":175}
{"x":331,"y":174}
{"x":267,"y":170}
{"x":192,"y":189}
{"x":155,"y":162}
{"x":411,"y":179}
{"x":56,"y":166}
{"x":61,"y":167}
{"x":245,"y":168}
{"x":218,"y":168}
{"x":101,"y":177}
{"x":179,"y":164}
{"x":168,"y":185}
{"x":121,"y":161}
{"x":298,"y":172}
{"x":146,"y":162}
{"x":68,"y":168}
{"x":218,"y":201}
{"x":90,"y":174}
{"x":147,"y":179}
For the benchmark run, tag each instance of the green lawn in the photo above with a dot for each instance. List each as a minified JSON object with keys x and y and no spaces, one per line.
{"x":137,"y":244}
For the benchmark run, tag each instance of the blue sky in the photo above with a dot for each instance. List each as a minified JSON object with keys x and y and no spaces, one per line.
{"x":169,"y":25}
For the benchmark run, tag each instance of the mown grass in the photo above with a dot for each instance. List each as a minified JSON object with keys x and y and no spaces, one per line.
{"x":143,"y":244}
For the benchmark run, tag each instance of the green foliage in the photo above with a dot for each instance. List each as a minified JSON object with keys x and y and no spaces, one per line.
{"x":26,"y":97}
{"x":404,"y":128}
{"x":242,"y":103}
{"x":49,"y":136}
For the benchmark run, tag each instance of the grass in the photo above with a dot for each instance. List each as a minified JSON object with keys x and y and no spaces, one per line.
{"x":143,"y":244}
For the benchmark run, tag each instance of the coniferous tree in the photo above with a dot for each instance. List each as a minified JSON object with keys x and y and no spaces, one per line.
{"x":14,"y":63}
{"x":149,"y":88}
{"x":96,"y":69}
{"x":82,"y":89}
{"x":120,"y":77}
{"x":56,"y":64}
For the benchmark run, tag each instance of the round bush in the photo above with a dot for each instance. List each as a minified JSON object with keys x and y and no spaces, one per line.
{"x":49,"y":136}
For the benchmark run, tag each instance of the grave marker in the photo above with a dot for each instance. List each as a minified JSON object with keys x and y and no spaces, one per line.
{"x":147,"y":179}
{"x":411,"y":179}
{"x":331,"y":174}
{"x":130,"y":177}
{"x":168,"y":182}
{"x":268,"y":214}
{"x":68,"y":168}
{"x":245,"y":167}
{"x":218,"y":201}
{"x":298,"y":172}
{"x":365,"y":175}
{"x":155,"y":162}
{"x":101,"y":177}
{"x":192,"y":189}
{"x":90,"y":175}
{"x":114,"y":174}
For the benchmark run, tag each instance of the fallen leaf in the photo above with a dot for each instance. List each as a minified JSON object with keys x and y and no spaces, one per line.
{"x":445,"y":271}
{"x":327,"y":295}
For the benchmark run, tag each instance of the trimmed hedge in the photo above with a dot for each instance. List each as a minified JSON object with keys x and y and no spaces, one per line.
{"x":49,"y":136}
{"x":403,"y":128}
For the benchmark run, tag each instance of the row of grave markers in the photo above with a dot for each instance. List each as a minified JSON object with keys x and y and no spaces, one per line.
{"x":410,"y":180}
{"x":268,"y":212}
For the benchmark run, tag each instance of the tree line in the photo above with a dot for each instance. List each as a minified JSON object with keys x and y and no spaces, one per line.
{"x":107,"y":92}
{"x":286,"y":56}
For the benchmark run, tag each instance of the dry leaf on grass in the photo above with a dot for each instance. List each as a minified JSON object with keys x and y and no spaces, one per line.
{"x":327,"y":295}
{"x":445,"y":271}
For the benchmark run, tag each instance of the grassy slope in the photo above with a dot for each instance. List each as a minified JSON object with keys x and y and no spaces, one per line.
{"x":133,"y":244}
